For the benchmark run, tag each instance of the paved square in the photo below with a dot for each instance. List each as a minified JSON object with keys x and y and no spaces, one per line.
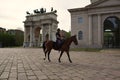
{"x":28,"y":64}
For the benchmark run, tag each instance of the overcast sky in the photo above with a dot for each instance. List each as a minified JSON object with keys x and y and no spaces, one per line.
{"x":13,"y":12}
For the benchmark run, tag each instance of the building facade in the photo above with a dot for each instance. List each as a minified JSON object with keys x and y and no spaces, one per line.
{"x":37,"y":26}
{"x":97,"y":25}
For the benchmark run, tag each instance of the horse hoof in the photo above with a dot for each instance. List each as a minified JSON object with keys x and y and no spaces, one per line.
{"x":70,"y":61}
{"x":59,"y":61}
{"x":43,"y":58}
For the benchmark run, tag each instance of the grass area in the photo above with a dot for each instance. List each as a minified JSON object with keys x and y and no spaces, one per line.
{"x":86,"y":49}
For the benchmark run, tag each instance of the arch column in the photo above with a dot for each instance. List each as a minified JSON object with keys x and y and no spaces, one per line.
{"x":53,"y":31}
{"x":42,"y":34}
{"x":90,"y":30}
{"x":99,"y":31}
{"x":49,"y":31}
{"x":25,"y":39}
{"x":31,"y":37}
{"x":39,"y":38}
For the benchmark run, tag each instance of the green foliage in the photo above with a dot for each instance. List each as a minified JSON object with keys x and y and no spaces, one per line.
{"x":68,"y":34}
{"x":7,"y":40}
{"x":106,"y":34}
{"x":19,"y":39}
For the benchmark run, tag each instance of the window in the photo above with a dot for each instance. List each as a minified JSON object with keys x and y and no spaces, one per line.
{"x":80,"y":35}
{"x":80,"y":20}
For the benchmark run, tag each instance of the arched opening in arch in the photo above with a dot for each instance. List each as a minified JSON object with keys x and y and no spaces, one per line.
{"x":112,"y":32}
{"x":38,"y":36}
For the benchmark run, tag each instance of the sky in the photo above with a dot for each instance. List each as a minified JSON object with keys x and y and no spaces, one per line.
{"x":13,"y":12}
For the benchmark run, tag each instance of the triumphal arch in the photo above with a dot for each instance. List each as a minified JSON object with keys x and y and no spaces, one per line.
{"x":39,"y":24}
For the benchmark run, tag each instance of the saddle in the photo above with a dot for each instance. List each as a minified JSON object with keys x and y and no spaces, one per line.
{"x":57,"y":45}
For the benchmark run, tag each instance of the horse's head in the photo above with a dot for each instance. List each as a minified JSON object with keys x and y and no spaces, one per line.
{"x":75,"y":40}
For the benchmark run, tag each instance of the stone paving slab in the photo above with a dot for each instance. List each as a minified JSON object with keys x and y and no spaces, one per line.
{"x":28,"y":64}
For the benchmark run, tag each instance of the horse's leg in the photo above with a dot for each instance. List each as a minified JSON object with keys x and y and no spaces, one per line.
{"x":60,"y":56}
{"x":44,"y":46}
{"x":44,"y":49}
{"x":49,"y":55}
{"x":68,"y":56}
{"x":45,"y":54}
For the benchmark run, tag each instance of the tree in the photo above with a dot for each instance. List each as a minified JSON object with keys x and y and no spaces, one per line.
{"x":7,"y":40}
{"x":68,"y":34}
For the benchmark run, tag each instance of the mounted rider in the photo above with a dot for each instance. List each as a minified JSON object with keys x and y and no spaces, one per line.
{"x":58,"y":38}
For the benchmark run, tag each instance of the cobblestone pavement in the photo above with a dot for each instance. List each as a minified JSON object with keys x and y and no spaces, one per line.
{"x":28,"y":64}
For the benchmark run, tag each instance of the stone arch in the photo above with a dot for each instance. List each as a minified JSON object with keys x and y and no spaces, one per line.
{"x":111,"y":31}
{"x":36,"y":23}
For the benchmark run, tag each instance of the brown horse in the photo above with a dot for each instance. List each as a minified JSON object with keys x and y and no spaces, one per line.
{"x":48,"y":46}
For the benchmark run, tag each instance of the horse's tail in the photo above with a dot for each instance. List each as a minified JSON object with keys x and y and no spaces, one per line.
{"x":44,"y":46}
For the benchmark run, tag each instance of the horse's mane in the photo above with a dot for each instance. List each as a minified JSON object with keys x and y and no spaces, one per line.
{"x":67,"y":39}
